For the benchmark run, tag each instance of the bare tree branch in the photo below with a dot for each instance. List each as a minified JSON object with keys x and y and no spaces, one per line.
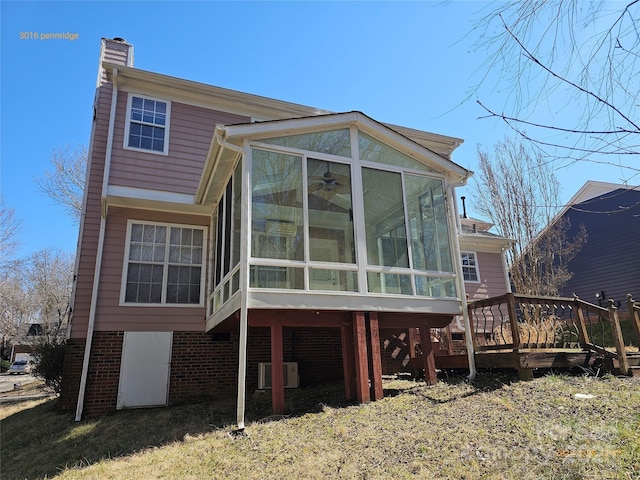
{"x":561,"y":62}
{"x":64,"y":182}
{"x":519,"y":193}
{"x":9,"y":230}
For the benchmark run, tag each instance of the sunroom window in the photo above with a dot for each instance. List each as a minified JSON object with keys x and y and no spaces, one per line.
{"x":227,"y":222}
{"x":373,"y":150}
{"x":321,"y":221}
{"x":334,"y":142}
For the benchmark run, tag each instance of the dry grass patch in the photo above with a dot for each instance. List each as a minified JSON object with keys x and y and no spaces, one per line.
{"x":495,"y":428}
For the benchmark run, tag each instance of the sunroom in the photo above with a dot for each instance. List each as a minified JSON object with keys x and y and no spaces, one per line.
{"x":335,"y":220}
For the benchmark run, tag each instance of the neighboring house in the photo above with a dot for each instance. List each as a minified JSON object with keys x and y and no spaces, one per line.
{"x":27,"y":335}
{"x":484,"y":263}
{"x":608,"y":265}
{"x":223,"y":233}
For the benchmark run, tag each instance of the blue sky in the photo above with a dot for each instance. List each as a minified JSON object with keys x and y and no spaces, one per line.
{"x":408,"y":63}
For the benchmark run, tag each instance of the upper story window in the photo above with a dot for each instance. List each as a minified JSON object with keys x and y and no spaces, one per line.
{"x":164,"y":264}
{"x":470,"y":267}
{"x":147,"y":126}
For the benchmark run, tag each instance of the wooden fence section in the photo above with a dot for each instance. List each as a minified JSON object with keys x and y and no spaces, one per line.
{"x":531,"y":331}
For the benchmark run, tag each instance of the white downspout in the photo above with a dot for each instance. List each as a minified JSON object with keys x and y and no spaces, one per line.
{"x":463,"y":294}
{"x":98,"y":266}
{"x":245,"y":228}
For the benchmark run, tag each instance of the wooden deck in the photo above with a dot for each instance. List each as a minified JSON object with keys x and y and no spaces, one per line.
{"x":535,"y":359}
{"x":526,"y":333}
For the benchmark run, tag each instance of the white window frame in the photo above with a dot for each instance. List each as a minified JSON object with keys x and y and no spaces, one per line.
{"x":476,"y":266}
{"x":127,"y":124}
{"x":163,"y":303}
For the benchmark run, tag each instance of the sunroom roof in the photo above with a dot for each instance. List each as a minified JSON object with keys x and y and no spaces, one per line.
{"x":225,"y":146}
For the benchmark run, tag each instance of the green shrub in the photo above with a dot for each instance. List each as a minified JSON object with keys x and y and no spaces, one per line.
{"x":49,"y":359}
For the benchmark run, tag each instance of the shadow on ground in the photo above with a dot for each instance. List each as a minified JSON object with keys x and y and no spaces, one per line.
{"x":40,"y":442}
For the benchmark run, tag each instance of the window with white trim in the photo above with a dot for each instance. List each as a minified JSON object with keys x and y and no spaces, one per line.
{"x":147,"y":126}
{"x":164,"y":264}
{"x":470,"y":267}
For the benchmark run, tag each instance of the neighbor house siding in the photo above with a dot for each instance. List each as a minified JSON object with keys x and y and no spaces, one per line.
{"x":609,"y":261}
{"x":110,"y":315}
{"x":190,"y":134}
{"x":492,"y":282}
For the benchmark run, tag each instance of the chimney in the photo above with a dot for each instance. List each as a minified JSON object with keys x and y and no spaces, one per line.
{"x":116,"y":51}
{"x":464,"y":207}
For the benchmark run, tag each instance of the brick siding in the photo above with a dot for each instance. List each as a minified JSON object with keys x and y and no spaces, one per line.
{"x":203,"y":365}
{"x":71,"y":372}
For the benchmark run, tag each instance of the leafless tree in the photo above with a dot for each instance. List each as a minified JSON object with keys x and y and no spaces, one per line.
{"x":38,"y":291}
{"x":64,"y":181}
{"x":9,"y":230}
{"x":50,"y":279}
{"x":16,"y":305}
{"x":518,"y":191}
{"x":569,"y":77}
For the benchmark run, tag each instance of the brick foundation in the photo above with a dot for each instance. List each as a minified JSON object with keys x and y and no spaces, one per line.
{"x":71,"y":372}
{"x":203,"y":365}
{"x":104,"y":373}
{"x":318,"y":353}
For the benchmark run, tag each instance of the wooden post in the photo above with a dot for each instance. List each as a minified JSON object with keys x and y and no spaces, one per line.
{"x":582,"y":325}
{"x":430,"y":376}
{"x":362,"y":364}
{"x":634,"y":317}
{"x":277,"y":375}
{"x":447,"y":331}
{"x":474,"y":326}
{"x":413,"y":341}
{"x":513,"y":321}
{"x":348,"y":361}
{"x":376,"y":361}
{"x":617,"y":338}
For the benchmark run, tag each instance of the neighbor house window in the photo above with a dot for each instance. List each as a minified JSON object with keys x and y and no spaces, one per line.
{"x":470,"y":267}
{"x":164,"y":264}
{"x":147,"y":126}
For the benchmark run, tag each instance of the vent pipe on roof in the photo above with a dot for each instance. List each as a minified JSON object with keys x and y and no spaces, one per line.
{"x":464,"y":207}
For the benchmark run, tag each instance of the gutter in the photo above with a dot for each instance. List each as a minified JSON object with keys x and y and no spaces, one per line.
{"x":98,"y":266}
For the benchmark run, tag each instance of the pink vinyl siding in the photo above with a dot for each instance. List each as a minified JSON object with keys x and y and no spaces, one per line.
{"x":110,"y":315}
{"x":492,"y":283}
{"x":88,"y":243}
{"x":492,"y":277}
{"x":190,"y":134}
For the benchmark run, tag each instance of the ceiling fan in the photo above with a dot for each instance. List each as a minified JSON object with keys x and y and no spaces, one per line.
{"x":329,"y":184}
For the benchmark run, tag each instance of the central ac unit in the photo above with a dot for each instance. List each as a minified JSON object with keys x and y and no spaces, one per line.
{"x":289,"y":373}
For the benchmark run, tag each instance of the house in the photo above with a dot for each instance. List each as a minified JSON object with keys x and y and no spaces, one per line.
{"x":230,"y":241}
{"x":607,"y":265}
{"x":26,"y":337}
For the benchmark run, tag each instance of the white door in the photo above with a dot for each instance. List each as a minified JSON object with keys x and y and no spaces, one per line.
{"x":144,"y":371}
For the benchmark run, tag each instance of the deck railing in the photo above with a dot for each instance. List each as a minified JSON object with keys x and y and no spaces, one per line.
{"x":518,"y":322}
{"x":633,"y":308}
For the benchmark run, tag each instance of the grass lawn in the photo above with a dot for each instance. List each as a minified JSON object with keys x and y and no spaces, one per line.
{"x":497,"y":427}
